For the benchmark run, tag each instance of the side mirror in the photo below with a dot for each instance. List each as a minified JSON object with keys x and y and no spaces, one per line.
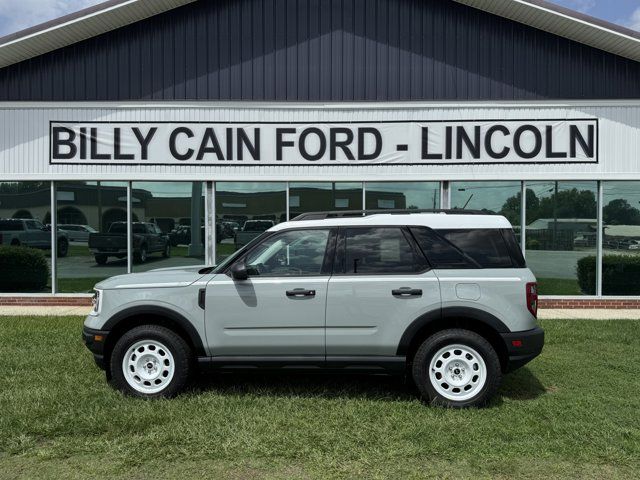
{"x":239,"y":271}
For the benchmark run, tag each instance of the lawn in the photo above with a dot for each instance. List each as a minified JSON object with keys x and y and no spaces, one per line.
{"x":558,"y":286}
{"x":572,"y":413}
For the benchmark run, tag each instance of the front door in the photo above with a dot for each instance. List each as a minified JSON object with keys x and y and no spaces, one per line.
{"x":380,"y":284}
{"x":280,"y":309}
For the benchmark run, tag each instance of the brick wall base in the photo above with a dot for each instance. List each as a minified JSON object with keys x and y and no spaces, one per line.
{"x":56,"y":300}
{"x":589,"y":303}
{"x":52,"y":301}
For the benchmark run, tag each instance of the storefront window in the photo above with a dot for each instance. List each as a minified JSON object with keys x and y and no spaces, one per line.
{"x":25,"y":239}
{"x":92,"y":217}
{"x":402,"y":195}
{"x":621,"y":239}
{"x":321,"y":197}
{"x":561,"y":236}
{"x":171,"y":227}
{"x":490,"y":197}
{"x":244,"y":210}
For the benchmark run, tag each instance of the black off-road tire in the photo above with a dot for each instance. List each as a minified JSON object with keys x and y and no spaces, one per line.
{"x":63,"y":248}
{"x":432,"y":345}
{"x":101,"y":259}
{"x":174,"y":343}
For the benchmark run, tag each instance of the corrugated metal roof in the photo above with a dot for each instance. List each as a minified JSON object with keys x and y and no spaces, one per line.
{"x":78,"y":26}
{"x":565,"y":23}
{"x":113,"y":14}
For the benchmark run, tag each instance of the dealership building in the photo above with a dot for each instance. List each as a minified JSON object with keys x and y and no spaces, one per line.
{"x":207,"y":119}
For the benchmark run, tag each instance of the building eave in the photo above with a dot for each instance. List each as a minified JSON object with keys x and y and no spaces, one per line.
{"x":78,"y":26}
{"x":566,"y":23}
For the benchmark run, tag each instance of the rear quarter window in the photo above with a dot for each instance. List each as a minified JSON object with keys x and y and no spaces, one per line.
{"x":469,"y":248}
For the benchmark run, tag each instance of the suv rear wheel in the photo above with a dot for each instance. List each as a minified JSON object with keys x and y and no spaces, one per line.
{"x":150,"y":361}
{"x":457,"y":368}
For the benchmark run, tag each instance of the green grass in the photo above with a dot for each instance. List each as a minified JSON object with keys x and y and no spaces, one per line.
{"x":572,"y":413}
{"x":78,"y":285}
{"x":558,"y":286}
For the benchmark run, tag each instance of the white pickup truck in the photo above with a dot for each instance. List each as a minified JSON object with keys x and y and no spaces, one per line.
{"x":31,"y":233}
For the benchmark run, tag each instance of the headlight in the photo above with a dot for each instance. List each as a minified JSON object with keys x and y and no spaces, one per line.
{"x":95,"y":302}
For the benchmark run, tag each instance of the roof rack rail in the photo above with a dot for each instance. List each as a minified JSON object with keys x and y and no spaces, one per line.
{"x":364,"y":213}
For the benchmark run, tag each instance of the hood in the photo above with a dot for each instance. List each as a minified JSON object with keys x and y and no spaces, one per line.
{"x":160,"y":278}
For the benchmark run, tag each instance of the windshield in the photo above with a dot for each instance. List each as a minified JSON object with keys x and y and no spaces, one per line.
{"x":232,"y":258}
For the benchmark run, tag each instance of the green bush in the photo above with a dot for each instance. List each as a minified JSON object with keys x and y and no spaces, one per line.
{"x":22,"y":269}
{"x":620,"y":275}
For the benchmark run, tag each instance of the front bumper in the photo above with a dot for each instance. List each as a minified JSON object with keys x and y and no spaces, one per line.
{"x":95,"y":341}
{"x":522,"y":347}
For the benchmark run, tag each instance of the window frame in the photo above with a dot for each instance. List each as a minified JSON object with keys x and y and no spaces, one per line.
{"x":339,"y":267}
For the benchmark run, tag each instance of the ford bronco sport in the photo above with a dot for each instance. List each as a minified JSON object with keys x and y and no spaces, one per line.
{"x":445,"y":297}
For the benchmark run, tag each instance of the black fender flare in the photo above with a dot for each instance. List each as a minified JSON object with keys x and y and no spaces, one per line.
{"x":158,"y":311}
{"x":448,"y":313}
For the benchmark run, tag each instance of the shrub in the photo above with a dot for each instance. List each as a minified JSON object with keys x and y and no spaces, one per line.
{"x":22,"y":269}
{"x":620,"y":275}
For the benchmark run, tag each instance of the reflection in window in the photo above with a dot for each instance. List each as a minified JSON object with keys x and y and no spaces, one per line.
{"x":87,"y":214}
{"x":320,"y":197}
{"x":621,"y":239}
{"x":171,"y":227}
{"x":379,"y":250}
{"x":561,"y":231}
{"x":403,"y":195}
{"x":25,"y":240}
{"x":293,"y":253}
{"x":490,"y":197}
{"x":244,"y":210}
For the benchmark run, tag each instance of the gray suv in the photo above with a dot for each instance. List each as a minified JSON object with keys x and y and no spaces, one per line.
{"x":445,"y":297}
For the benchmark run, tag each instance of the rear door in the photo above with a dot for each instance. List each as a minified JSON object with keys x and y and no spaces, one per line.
{"x":380,"y":284}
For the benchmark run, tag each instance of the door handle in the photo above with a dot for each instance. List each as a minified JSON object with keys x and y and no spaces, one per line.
{"x":407,"y":292}
{"x":301,"y":292}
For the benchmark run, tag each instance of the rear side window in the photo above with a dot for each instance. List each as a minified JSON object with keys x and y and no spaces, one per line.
{"x":469,"y":248}
{"x":379,"y":251}
{"x":440,"y":252}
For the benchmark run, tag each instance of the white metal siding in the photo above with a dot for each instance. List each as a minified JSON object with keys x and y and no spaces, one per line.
{"x":24,"y":140}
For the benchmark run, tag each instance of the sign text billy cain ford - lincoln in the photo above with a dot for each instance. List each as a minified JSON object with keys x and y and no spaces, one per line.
{"x":429,"y":142}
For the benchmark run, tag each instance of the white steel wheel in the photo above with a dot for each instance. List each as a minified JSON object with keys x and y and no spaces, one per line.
{"x":148,"y":366}
{"x":457,"y":372}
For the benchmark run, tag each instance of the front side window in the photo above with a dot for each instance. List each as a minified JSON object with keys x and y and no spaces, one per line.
{"x":291,"y":253}
{"x":384,"y":250}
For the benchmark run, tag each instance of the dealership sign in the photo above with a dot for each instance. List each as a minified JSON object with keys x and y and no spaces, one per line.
{"x":412,"y":142}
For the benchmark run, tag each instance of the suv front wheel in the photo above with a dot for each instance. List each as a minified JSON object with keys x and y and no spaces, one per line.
{"x":457,"y":368}
{"x":150,"y":361}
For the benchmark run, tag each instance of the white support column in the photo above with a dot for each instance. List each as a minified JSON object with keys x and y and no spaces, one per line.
{"x":211,"y":223}
{"x":523,"y":217}
{"x":287,"y":202}
{"x":364,"y":195}
{"x":129,"y":230}
{"x":599,"y":235}
{"x":54,"y":239}
{"x":445,"y":195}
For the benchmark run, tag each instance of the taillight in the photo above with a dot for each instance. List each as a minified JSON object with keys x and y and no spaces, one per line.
{"x":532,"y":298}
